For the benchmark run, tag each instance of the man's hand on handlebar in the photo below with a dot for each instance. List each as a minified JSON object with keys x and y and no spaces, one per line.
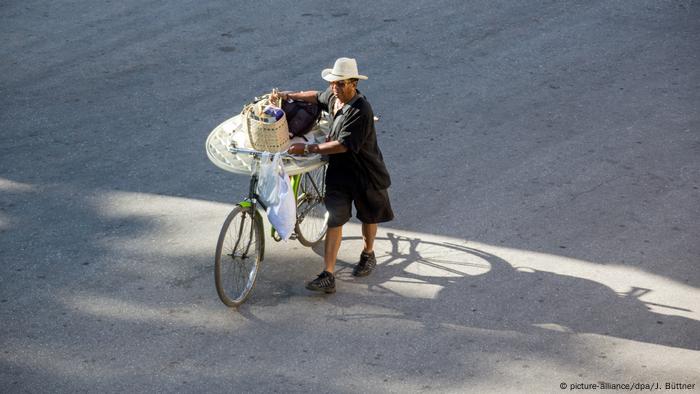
{"x":296,"y":149}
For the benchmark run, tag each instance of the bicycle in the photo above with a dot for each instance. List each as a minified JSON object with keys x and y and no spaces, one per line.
{"x":240,"y":248}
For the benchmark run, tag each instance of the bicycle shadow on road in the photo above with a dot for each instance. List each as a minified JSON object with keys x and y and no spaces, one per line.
{"x":441,"y":282}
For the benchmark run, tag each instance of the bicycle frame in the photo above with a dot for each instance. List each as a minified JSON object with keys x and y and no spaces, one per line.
{"x":253,"y":199}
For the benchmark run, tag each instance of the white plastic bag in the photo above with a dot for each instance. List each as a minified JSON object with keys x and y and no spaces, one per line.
{"x":282,"y":215}
{"x":268,"y":179}
{"x":275,"y":191}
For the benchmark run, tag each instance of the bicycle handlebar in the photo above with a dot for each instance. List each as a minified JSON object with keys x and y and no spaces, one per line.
{"x":258,"y":153}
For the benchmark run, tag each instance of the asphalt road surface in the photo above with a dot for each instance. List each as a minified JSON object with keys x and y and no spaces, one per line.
{"x":545,"y":158}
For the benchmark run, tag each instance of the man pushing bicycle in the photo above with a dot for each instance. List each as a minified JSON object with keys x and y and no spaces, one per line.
{"x":356,"y":171}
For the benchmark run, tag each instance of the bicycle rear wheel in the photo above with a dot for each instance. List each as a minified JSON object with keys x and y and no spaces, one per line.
{"x":312,"y":217}
{"x":239,"y":253}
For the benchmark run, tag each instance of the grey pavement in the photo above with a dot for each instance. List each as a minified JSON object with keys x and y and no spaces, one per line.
{"x":546,"y":165}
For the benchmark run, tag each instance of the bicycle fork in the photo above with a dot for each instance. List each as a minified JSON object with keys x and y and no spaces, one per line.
{"x":251,"y":202}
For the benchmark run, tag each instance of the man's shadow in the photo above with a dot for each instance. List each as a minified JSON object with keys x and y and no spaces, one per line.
{"x":481,"y":290}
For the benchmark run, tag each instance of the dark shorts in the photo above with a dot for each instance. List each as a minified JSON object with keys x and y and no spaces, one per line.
{"x":372,"y":206}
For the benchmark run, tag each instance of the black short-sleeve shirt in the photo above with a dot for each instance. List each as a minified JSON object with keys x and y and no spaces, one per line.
{"x":362,"y":165}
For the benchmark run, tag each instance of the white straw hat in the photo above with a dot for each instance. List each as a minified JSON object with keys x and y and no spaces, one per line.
{"x":344,"y":68}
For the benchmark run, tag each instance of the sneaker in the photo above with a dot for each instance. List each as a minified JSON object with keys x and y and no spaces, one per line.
{"x":324,"y":282}
{"x":366,"y":264}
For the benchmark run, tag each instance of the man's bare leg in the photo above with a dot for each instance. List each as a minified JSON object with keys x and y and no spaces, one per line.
{"x":369,"y":233}
{"x":332,"y":244}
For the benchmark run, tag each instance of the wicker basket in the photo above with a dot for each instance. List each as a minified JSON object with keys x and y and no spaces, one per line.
{"x":265,"y":134}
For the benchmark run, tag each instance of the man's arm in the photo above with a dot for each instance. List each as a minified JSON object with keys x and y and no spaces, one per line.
{"x":309,"y":96}
{"x":326,"y":148}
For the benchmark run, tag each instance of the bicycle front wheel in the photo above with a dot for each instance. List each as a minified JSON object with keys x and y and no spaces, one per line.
{"x":239,"y":253}
{"x":312,"y":216}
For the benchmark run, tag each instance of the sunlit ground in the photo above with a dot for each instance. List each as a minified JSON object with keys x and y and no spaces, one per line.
{"x":491,"y":313}
{"x":422,"y":257}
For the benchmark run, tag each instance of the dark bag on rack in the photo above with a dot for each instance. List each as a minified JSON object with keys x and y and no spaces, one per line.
{"x":301,"y":116}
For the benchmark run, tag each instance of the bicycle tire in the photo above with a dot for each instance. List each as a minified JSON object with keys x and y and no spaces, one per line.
{"x":312,"y":216}
{"x":239,"y":252}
